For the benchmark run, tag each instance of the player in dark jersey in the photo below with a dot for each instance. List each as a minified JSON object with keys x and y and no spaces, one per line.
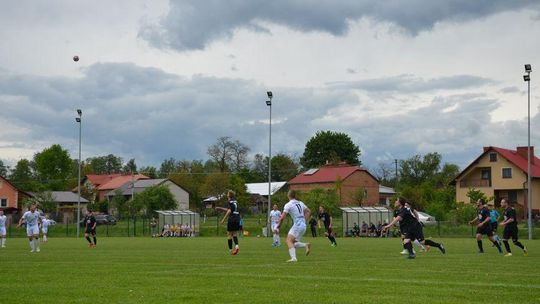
{"x":483,"y":226}
{"x":233,"y":222}
{"x":407,"y":225}
{"x":420,"y":234}
{"x":326,"y":218}
{"x":90,"y":228}
{"x":510,"y":228}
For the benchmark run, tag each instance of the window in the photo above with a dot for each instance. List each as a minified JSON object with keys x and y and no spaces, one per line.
{"x":512,"y":196}
{"x":493,"y":157}
{"x":486,"y":174}
{"x":506,"y":172}
{"x":3,"y":202}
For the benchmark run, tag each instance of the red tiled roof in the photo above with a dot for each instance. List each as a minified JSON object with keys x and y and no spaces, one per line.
{"x":518,"y":160}
{"x":101,"y":179}
{"x":119,"y":181}
{"x":327,"y":174}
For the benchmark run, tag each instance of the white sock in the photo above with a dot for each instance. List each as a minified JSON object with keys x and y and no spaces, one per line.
{"x":44,"y":238}
{"x":3,"y":242}
{"x":32,"y":245}
{"x":417,"y":243}
{"x":299,"y":245}
{"x":36,"y":243}
{"x":292,"y":253}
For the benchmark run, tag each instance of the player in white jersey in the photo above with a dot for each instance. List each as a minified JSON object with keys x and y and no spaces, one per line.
{"x":3,"y":220}
{"x":299,"y":212}
{"x":31,"y":218}
{"x":275,"y":215}
{"x":45,"y":228}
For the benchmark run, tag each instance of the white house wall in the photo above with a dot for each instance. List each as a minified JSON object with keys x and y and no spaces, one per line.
{"x":181,"y":196}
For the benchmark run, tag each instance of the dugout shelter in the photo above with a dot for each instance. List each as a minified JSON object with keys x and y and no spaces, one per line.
{"x":358,"y":215}
{"x":179,"y":217}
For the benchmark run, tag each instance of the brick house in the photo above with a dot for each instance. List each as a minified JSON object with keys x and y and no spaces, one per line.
{"x":349,"y":181}
{"x":10,"y":198}
{"x":501,"y":173}
{"x":102,"y":184}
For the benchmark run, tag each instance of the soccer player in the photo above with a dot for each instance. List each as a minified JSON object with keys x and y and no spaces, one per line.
{"x":299,"y":213}
{"x":3,"y":220}
{"x":233,"y":222}
{"x":510,"y":228}
{"x":44,"y":228}
{"x":31,"y":218}
{"x":273,"y":219}
{"x":90,"y":228}
{"x":483,"y":226}
{"x":493,"y":221}
{"x":326,"y":218}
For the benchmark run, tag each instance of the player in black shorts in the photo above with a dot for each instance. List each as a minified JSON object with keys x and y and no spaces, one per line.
{"x":483,"y":226}
{"x":233,"y":222}
{"x":510,"y":228}
{"x":407,"y":225}
{"x":327,"y":221}
{"x":90,"y":228}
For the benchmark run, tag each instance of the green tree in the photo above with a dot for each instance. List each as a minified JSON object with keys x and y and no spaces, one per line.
{"x":130,"y":166}
{"x":284,"y":167}
{"x":418,"y":169}
{"x":329,"y":146}
{"x":119,"y":203}
{"x":167,"y":167}
{"x":221,"y":153}
{"x":4,"y":170}
{"x":108,"y":164}
{"x":149,"y":171}
{"x":22,"y":176}
{"x":153,"y":198}
{"x":239,"y":153}
{"x":53,"y":167}
{"x":474,"y":195}
{"x":46,"y":201}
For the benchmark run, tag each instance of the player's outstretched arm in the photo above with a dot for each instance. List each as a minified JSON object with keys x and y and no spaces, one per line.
{"x":281,"y":218}
{"x":226,"y":215}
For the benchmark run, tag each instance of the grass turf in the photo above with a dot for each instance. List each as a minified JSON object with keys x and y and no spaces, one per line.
{"x":200,"y":270}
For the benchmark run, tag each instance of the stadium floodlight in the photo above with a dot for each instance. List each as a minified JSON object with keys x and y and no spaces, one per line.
{"x":527,"y":78}
{"x":269,"y":104}
{"x":79,"y":120}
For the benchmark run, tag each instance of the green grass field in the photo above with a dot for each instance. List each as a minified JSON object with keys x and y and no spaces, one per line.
{"x":200,"y":270}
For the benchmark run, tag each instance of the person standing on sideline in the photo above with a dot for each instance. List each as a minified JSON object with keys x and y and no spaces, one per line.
{"x":45,"y":228}
{"x":326,"y":218}
{"x":31,"y":218}
{"x":510,"y":228}
{"x":483,"y":226}
{"x":90,"y":228}
{"x":233,"y":222}
{"x":273,"y":219}
{"x":313,"y":226}
{"x":3,"y":220}
{"x":153,"y":227}
{"x":493,"y":221}
{"x":299,"y":213}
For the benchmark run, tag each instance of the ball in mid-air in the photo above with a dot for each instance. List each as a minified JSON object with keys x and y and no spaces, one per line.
{"x":75,"y":58}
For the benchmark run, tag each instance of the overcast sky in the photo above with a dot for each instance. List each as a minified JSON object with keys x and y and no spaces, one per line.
{"x":157,"y":80}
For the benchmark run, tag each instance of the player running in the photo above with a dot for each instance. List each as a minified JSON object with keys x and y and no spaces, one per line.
{"x":275,"y":215}
{"x":326,"y":218}
{"x":510,"y":228}
{"x":233,"y":222}
{"x":45,"y":228}
{"x":90,"y":228}
{"x":31,"y":218}
{"x":299,"y":213}
{"x":3,"y":220}
{"x":483,"y":226}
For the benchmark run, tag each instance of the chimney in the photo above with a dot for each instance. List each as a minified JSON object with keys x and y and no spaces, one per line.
{"x":522,"y":151}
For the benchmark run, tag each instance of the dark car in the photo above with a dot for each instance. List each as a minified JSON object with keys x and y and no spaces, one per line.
{"x":102,"y":219}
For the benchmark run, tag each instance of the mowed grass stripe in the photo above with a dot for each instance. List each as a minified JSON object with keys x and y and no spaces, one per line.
{"x":199,"y":270}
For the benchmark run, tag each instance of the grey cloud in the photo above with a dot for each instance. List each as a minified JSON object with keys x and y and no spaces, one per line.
{"x":194,"y":24}
{"x":509,"y":90}
{"x":411,"y":83}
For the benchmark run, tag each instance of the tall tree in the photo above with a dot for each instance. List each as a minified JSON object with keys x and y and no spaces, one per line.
{"x":152,"y":198}
{"x":130,"y":166}
{"x":4,"y":170}
{"x":239,"y":153}
{"x":108,"y":164}
{"x":284,"y":167}
{"x":418,"y":169}
{"x":221,"y":153}
{"x":149,"y":171}
{"x":167,"y":167}
{"x":22,"y":176}
{"x":53,"y":167}
{"x":329,"y":146}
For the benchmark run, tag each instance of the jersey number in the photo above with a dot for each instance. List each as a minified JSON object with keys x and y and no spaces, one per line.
{"x":299,"y":208}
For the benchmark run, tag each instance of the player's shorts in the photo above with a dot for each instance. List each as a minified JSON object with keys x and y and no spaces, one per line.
{"x":233,"y":223}
{"x":32,"y":230}
{"x":90,"y":231}
{"x":274,"y":227}
{"x":297,"y":231}
{"x":494,"y":226}
{"x":486,"y":229}
{"x":510,"y":232}
{"x":2,"y":231}
{"x":44,"y":230}
{"x":413,"y":234}
{"x":328,"y":230}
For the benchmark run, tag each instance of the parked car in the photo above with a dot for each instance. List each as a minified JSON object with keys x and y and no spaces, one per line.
{"x":102,"y":219}
{"x":426,"y":219}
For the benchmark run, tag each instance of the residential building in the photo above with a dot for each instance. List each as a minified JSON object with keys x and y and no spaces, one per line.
{"x":501,"y":173}
{"x":10,"y":196}
{"x":102,"y":184}
{"x":259,"y":194}
{"x":353,"y":184}
{"x":67,"y":204}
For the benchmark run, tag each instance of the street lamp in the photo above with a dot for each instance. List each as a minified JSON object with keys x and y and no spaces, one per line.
{"x":269,"y":104}
{"x":527,"y":79}
{"x":79,"y":120}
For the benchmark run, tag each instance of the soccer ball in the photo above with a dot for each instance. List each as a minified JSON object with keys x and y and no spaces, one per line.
{"x":75,"y":58}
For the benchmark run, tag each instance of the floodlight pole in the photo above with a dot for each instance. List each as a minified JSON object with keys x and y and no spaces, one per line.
{"x":527,"y":78}
{"x":269,"y":103}
{"x":79,"y":120}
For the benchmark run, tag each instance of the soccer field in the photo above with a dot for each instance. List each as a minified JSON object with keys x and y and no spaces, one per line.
{"x":200,"y":270}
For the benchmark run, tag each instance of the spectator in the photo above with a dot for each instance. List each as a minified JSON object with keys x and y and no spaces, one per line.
{"x":312,"y":225}
{"x":356,"y":230}
{"x":379,"y":229}
{"x":364,"y":230}
{"x":153,"y":227}
{"x":372,"y":229}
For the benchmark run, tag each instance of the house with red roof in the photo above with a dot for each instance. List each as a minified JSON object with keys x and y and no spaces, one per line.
{"x":102,"y":184}
{"x":501,"y":173}
{"x":10,"y":196}
{"x":352,"y":183}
